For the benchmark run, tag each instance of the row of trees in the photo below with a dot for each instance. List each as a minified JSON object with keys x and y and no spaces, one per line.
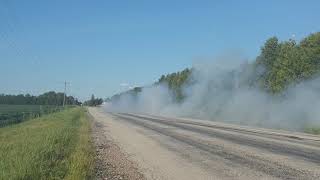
{"x":175,"y":82}
{"x":48,"y":98}
{"x":134,"y":92}
{"x":93,"y":101}
{"x":279,"y":65}
{"x":286,"y":63}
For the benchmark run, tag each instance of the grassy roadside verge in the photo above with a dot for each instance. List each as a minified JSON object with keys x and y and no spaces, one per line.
{"x":313,"y":130}
{"x":56,"y":146}
{"x":13,"y":114}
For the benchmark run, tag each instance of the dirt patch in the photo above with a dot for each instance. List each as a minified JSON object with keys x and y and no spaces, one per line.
{"x":111,"y":162}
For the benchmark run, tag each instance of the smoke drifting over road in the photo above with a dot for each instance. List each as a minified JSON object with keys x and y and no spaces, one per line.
{"x":218,"y":93}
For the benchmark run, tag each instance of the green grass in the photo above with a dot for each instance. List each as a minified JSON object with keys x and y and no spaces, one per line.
{"x":55,"y":146}
{"x":18,"y":108}
{"x":12,"y":114}
{"x":7,"y":108}
{"x":313,"y":130}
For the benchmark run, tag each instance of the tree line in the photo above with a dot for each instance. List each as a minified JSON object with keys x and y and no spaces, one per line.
{"x":278,"y":65}
{"x":288,"y":62}
{"x":93,"y":101}
{"x":133,"y":92}
{"x":175,"y":82}
{"x":48,"y":98}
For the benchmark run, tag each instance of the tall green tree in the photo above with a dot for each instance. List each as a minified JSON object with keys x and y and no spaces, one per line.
{"x":265,"y":62}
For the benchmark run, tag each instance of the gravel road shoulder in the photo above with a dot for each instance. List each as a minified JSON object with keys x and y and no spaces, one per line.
{"x":111,"y":162}
{"x":144,"y":152}
{"x":165,"y":148}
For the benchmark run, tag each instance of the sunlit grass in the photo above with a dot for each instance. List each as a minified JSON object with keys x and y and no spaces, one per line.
{"x":56,"y":146}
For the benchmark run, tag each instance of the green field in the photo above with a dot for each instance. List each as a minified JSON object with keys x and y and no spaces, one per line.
{"x":11,"y":114}
{"x":55,"y":146}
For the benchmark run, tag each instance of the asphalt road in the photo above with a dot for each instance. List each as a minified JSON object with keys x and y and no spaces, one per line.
{"x":176,"y":148}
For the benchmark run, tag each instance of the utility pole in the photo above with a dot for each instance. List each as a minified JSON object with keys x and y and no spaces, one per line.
{"x":64,"y":94}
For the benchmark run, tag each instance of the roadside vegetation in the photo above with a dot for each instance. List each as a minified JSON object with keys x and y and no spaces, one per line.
{"x":55,"y":146}
{"x":280,"y":64}
{"x":12,"y":114}
{"x":313,"y":130}
{"x":48,"y":98}
{"x":93,"y":101}
{"x":18,"y":108}
{"x":289,"y":62}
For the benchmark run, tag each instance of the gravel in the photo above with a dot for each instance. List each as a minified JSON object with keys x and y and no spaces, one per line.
{"x":111,"y":162}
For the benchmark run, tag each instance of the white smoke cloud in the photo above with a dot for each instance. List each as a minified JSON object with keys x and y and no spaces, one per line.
{"x":217,"y":95}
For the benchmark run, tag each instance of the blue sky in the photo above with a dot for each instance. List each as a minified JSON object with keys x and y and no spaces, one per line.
{"x":100,"y":44}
